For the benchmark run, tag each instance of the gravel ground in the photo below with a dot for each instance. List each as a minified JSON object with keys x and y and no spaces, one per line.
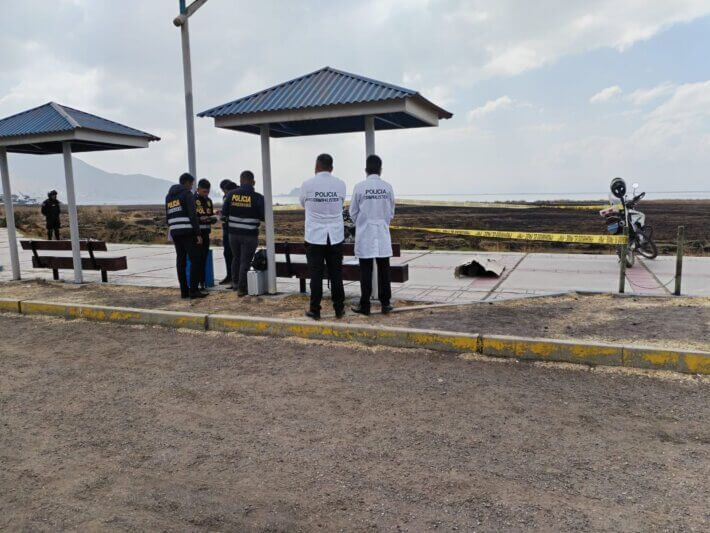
{"x":106,"y":427}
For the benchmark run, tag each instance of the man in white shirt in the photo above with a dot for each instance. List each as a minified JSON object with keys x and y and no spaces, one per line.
{"x":323,"y":196}
{"x":372,"y":209}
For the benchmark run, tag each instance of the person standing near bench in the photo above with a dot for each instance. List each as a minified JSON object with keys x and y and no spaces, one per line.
{"x":205,"y":212}
{"x":372,"y":209}
{"x":51,"y":209}
{"x":323,"y":196}
{"x":226,"y":186}
{"x":243,"y":209}
{"x":184,"y":229}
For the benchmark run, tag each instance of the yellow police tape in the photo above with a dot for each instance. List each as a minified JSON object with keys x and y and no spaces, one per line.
{"x":500,"y":205}
{"x":526,"y":236}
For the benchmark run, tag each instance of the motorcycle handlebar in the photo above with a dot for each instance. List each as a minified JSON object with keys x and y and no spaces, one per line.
{"x":635,"y":199}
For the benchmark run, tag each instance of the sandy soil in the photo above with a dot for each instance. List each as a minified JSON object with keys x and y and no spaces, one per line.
{"x":147,"y":224}
{"x":666,"y":322}
{"x":118,"y":428}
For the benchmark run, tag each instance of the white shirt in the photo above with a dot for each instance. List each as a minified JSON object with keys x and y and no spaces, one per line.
{"x":372,"y":209}
{"x":323,"y":196}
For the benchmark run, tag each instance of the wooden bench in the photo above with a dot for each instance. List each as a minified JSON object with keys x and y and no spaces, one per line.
{"x":104,"y":264}
{"x":351,"y":272}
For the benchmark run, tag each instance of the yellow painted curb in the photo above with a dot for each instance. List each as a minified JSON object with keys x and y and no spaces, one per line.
{"x":690,"y":362}
{"x":551,"y":350}
{"x":121,"y":315}
{"x":399,"y":337}
{"x":492,"y":345}
{"x":9,"y":305}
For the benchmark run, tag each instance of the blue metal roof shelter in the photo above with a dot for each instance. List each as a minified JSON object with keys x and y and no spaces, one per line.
{"x":327,"y":101}
{"x":55,"y":129}
{"x":55,"y":122}
{"x":322,"y":102}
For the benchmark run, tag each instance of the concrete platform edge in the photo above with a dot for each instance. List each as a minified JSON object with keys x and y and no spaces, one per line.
{"x":9,"y":305}
{"x":523,"y":348}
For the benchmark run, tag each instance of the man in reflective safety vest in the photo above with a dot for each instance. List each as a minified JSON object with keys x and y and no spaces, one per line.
{"x":184,"y":231}
{"x":205,"y":213}
{"x":243,"y":210}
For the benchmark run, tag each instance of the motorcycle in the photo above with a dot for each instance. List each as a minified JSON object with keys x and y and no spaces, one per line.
{"x":348,"y":226}
{"x":624,"y":214}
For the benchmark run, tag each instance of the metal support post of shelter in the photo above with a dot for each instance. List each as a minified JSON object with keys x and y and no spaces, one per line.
{"x":9,"y":214}
{"x":73,"y":217}
{"x":268,"y":209}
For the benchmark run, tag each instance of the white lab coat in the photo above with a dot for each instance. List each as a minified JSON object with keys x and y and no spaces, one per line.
{"x":323,"y":196}
{"x":372,"y":209}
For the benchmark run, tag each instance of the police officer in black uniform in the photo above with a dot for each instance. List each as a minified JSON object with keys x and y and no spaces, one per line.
{"x":243,"y":210}
{"x":51,"y":210}
{"x":184,"y":229}
{"x":205,"y":212}
{"x":226,"y":186}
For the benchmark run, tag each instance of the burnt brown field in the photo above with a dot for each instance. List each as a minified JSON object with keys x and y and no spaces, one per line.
{"x":146,"y":224}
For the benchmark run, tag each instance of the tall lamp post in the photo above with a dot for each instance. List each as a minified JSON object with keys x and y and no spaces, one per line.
{"x":181,"y":21}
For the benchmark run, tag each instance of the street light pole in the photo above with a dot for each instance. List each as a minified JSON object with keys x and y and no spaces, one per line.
{"x":182,"y":22}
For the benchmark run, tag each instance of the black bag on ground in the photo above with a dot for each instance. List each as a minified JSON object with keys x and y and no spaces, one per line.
{"x":259,"y":261}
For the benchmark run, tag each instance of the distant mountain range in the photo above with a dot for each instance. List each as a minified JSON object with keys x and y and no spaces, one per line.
{"x":34,"y":176}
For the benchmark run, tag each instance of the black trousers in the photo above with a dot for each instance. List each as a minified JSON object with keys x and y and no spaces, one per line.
{"x":52,"y":229}
{"x":204,"y":252}
{"x":187,"y":246}
{"x":384,"y":281}
{"x":227,"y":251}
{"x":332,"y":256}
{"x":243,"y":248}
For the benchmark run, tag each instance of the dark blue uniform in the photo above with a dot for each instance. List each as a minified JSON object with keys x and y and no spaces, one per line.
{"x":204,"y":208}
{"x":184,"y":228}
{"x":243,"y":210}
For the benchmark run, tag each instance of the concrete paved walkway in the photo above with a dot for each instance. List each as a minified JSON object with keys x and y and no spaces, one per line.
{"x":431,"y":277}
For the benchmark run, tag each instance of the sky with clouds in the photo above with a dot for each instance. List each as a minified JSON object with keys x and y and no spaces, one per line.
{"x":548,"y":96}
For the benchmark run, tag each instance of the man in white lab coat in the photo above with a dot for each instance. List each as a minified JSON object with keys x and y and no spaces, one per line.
{"x":372,"y":209}
{"x":323,"y":196}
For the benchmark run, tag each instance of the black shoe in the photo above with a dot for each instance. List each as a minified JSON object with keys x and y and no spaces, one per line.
{"x":226,"y":281}
{"x":184,"y":295}
{"x":313,"y":314}
{"x":360,"y":310}
{"x":198,"y":294}
{"x":386,"y":309}
{"x":339,"y":313}
{"x":241,"y":294}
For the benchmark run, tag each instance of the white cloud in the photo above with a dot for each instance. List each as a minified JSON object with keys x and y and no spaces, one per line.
{"x":606,"y":94}
{"x":644,"y":96}
{"x":504,"y":102}
{"x":546,"y":127}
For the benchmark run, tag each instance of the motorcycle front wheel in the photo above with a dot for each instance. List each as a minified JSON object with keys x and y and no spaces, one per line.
{"x":645,"y":245}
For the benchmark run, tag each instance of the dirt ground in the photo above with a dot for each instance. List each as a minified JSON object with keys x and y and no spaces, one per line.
{"x":664,"y":322}
{"x":668,"y":322}
{"x":108,"y":427}
{"x":146,"y":224}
